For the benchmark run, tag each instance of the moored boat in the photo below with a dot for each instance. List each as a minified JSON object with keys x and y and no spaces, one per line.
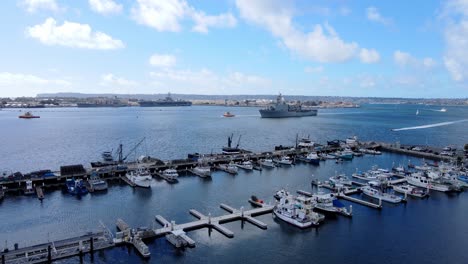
{"x":96,"y":183}
{"x":228,"y":114}
{"x":377,"y":194}
{"x":420,"y":179}
{"x":76,"y":187}
{"x":268,"y":163}
{"x":313,"y":158}
{"x":284,"y":160}
{"x":229,"y":168}
{"x":202,"y":170}
{"x":411,"y":190}
{"x":141,"y":177}
{"x":341,"y":179}
{"x":29,"y":189}
{"x":246,"y":165}
{"x":170,"y":175}
{"x":328,"y":203}
{"x":297,"y":211}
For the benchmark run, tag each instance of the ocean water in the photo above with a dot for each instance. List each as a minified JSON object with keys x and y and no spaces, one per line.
{"x":432,"y":230}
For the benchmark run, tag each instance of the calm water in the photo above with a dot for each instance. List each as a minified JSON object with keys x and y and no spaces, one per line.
{"x":433,"y":230}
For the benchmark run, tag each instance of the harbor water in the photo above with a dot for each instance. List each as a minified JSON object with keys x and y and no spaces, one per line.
{"x":432,"y":230}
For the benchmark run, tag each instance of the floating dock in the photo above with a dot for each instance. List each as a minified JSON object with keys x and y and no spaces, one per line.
{"x":359,"y":201}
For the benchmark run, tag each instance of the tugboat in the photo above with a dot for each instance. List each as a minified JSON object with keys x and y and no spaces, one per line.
{"x":28,"y":115}
{"x":228,"y":114}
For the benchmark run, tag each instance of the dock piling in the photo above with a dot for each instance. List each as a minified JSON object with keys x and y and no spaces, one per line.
{"x":91,"y":245}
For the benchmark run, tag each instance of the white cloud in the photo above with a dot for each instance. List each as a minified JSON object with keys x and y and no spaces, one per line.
{"x":105,"y":6}
{"x":167,"y":15}
{"x":374,"y":15}
{"x":162,"y":60}
{"x":455,"y":16}
{"x":317,"y":69}
{"x":34,"y":5}
{"x":205,"y":81}
{"x":369,"y":56}
{"x":202,"y":21}
{"x":72,"y":34}
{"x":405,"y":59}
{"x":19,"y":84}
{"x":367,"y":81}
{"x":110,"y":79}
{"x":322,"y":44}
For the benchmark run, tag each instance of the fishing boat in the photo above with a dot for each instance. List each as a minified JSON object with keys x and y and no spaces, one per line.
{"x":229,"y":168}
{"x":28,"y":115}
{"x":377,"y":194}
{"x":170,"y":175}
{"x":284,"y":160}
{"x":305,"y":142}
{"x":420,"y":179}
{"x":341,"y":180}
{"x":246,"y":165}
{"x":411,"y":190}
{"x":96,"y":183}
{"x":202,"y":170}
{"x":297,"y":211}
{"x":268,"y":163}
{"x":29,"y":189}
{"x":141,"y":177}
{"x":328,"y":203}
{"x":229,"y":149}
{"x":76,"y":187}
{"x":228,"y":114}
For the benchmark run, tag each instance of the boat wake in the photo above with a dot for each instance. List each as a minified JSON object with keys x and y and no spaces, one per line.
{"x":431,"y":125}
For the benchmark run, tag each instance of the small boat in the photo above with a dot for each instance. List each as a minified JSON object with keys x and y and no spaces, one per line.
{"x":328,"y":156}
{"x":76,"y":187}
{"x":246,"y":165}
{"x":96,"y":183}
{"x":141,"y":177}
{"x":430,"y":181}
{"x":328,"y":203}
{"x":256,"y":202}
{"x":284,"y":160}
{"x":28,"y":115}
{"x":411,"y":190}
{"x":341,"y":180}
{"x":305,"y":143}
{"x":268,"y":163}
{"x":229,"y":149}
{"x":313,"y":158}
{"x":29,"y":189}
{"x":297,"y":211}
{"x":170,"y":175}
{"x":443,"y":110}
{"x":203,"y":171}
{"x":228,"y":114}
{"x":377,"y":194}
{"x":352,"y":141}
{"x":230,"y":168}
{"x":417,"y":112}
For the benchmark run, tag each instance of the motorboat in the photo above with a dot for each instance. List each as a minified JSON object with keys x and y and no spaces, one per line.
{"x":28,"y":115}
{"x":305,"y":143}
{"x":96,"y":183}
{"x":284,"y":160}
{"x":229,"y":168}
{"x":411,"y":190}
{"x":379,"y":195}
{"x":76,"y":187}
{"x":170,"y":175}
{"x":297,"y":211}
{"x":423,"y":180}
{"x":203,"y":171}
{"x":268,"y":163}
{"x":352,"y":141}
{"x":313,"y":158}
{"x":341,"y":179}
{"x":328,"y":203}
{"x":246,"y":165}
{"x":228,"y":114}
{"x":140,"y":177}
{"x":279,"y":194}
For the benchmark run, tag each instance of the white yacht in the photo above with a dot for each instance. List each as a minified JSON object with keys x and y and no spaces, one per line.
{"x":140,"y":177}
{"x":97,"y":183}
{"x":297,"y":211}
{"x":411,"y":190}
{"x":377,"y":194}
{"x":267,"y":163}
{"x":341,"y":180}
{"x":281,"y":193}
{"x":246,"y":165}
{"x":170,"y":175}
{"x":230,"y":168}
{"x":420,"y":180}
{"x":284,"y":160}
{"x":327,"y":202}
{"x":202,"y":170}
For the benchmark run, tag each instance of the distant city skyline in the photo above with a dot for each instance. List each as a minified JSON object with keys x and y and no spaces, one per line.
{"x":405,"y":49}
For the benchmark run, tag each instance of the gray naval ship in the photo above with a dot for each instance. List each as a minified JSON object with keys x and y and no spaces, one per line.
{"x":282,"y":109}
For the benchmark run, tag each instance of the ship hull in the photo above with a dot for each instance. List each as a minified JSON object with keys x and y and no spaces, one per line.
{"x":164,"y":104}
{"x":283,"y":114}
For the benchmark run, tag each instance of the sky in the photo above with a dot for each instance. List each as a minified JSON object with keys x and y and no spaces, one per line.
{"x":416,"y":49}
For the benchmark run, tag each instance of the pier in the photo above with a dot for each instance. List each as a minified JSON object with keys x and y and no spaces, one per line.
{"x":359,"y":201}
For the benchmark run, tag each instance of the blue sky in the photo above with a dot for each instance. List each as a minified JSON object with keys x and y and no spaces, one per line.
{"x":335,"y":48}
